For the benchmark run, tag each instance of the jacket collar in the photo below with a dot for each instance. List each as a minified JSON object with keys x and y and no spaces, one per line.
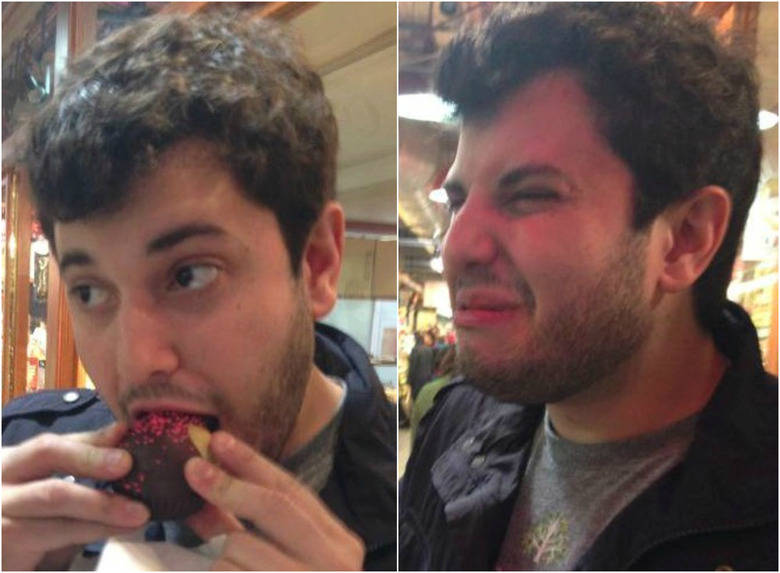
{"x":361,"y":489}
{"x":477,"y":480}
{"x":725,"y":480}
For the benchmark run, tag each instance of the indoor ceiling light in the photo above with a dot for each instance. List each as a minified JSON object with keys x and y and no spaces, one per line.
{"x":438,"y":195}
{"x":766,"y":119}
{"x":425,"y":107}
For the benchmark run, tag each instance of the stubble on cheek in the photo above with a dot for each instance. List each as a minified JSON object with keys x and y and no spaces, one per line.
{"x":594,"y":328}
{"x":266,"y":410}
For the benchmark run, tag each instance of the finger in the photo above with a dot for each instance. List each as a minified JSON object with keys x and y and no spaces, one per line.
{"x":58,"y":498}
{"x":212,"y":521}
{"x":263,"y":506}
{"x":104,"y":437}
{"x":277,"y":516}
{"x":40,"y":536}
{"x":245,"y":463}
{"x":46,"y":454}
{"x":252,"y":553}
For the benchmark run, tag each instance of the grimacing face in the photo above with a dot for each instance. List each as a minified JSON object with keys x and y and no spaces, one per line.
{"x":547,"y":279}
{"x":185,"y":299}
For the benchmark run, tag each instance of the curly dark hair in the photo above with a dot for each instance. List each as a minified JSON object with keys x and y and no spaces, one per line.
{"x":243,"y":85}
{"x":678,"y":106}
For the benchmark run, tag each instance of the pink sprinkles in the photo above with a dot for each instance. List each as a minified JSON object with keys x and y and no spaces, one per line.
{"x":148,"y":431}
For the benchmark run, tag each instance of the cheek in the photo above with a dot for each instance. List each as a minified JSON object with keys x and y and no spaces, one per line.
{"x":97,"y":354}
{"x":559,"y":258}
{"x":247,"y":328}
{"x":546,"y":251}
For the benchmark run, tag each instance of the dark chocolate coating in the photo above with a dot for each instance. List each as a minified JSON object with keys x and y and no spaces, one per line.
{"x":160,"y":446}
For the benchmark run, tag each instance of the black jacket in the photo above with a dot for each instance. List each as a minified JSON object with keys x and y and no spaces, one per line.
{"x":717,"y":508}
{"x":361,"y":489}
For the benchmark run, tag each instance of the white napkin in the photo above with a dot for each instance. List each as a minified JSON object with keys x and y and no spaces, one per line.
{"x":132,"y":553}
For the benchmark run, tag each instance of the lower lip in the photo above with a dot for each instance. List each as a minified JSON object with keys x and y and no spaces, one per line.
{"x":474,"y":318}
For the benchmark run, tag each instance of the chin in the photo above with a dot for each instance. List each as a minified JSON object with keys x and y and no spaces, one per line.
{"x":520,"y":380}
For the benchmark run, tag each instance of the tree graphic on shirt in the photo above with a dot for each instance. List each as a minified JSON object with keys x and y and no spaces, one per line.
{"x":548,"y":540}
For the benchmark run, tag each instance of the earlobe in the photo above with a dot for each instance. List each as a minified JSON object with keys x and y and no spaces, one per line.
{"x":698,"y":226}
{"x":322,"y":260}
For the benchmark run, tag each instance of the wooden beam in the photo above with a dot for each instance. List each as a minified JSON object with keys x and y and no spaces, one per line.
{"x":82,"y":28}
{"x":61,"y":357}
{"x":770,"y":360}
{"x":17,"y":286}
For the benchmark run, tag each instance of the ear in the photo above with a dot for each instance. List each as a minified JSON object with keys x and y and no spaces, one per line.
{"x":322,"y":260}
{"x":697,"y":227}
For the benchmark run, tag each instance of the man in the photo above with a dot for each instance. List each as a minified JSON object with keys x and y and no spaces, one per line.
{"x":185,"y":177}
{"x":614,"y":411}
{"x":422,"y":362}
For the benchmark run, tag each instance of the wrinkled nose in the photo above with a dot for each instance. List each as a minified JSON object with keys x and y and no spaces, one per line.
{"x":145,"y":344}
{"x":470,"y":238}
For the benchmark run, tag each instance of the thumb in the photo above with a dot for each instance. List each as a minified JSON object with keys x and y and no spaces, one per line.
{"x":212,"y":521}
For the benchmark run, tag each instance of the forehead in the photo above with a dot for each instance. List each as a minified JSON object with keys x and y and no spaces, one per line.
{"x":188,"y":184}
{"x":550,"y":115}
{"x":188,"y":173}
{"x":547,"y":126}
{"x":550,"y":121}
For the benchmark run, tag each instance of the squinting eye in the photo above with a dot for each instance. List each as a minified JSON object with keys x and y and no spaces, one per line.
{"x":89,"y":296}
{"x":195,"y":277}
{"x":534,"y":194}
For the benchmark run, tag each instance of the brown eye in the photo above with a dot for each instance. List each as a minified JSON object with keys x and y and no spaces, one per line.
{"x":195,"y":277}
{"x":89,"y":296}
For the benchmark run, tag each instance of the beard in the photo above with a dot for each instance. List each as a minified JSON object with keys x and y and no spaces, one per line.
{"x":265,"y":419}
{"x":583,"y":341}
{"x":274,"y":410}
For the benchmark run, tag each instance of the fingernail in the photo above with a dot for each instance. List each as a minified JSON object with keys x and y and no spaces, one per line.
{"x":208,"y":472}
{"x":203,"y":471}
{"x":114,"y":459}
{"x":225,"y":442}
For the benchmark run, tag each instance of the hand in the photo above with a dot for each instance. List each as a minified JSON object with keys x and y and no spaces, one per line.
{"x":297,"y":531}
{"x":46,"y":520}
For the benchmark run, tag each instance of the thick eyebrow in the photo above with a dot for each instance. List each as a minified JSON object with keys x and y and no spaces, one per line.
{"x":455,"y":187}
{"x":168,"y":240}
{"x":180,"y":234}
{"x":516,"y":176}
{"x":75,"y":258}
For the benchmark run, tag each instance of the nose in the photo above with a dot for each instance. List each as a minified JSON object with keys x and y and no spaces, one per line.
{"x":145,"y":345}
{"x":470,"y":238}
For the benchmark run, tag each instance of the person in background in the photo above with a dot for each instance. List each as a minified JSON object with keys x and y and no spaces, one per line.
{"x":422,"y":362}
{"x":614,"y":412}
{"x":443,"y":374}
{"x":184,"y":174}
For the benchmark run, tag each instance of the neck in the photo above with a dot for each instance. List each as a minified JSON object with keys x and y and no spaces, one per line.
{"x":320,"y":403}
{"x":670,"y":378}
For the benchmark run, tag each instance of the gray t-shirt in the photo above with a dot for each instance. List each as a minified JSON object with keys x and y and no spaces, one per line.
{"x":570,"y":492}
{"x":313,"y":462}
